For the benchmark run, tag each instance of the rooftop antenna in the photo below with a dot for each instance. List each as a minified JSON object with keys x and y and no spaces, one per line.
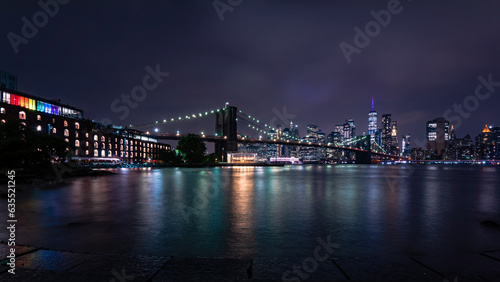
{"x":373,"y":104}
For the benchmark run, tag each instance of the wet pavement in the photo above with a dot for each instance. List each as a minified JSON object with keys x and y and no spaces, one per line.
{"x":38,"y":264}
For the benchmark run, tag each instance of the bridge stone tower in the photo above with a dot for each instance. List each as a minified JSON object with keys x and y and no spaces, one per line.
{"x":226,"y":127}
{"x":364,"y":157}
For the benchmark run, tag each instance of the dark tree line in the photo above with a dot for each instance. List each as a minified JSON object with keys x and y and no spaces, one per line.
{"x":191,"y":150}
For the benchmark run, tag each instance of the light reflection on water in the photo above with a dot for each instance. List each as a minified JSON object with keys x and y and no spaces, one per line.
{"x":267,"y":211}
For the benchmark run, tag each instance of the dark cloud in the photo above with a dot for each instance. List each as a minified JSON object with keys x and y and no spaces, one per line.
{"x":264,"y":55}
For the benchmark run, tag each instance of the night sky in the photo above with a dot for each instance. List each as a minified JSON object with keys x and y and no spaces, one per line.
{"x":264,"y":55}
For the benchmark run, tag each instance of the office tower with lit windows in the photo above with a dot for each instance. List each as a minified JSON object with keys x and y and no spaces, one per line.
{"x":321,"y":152}
{"x":405,"y":146}
{"x":372,"y":122}
{"x":339,"y":128}
{"x":349,"y":129}
{"x":272,"y":148}
{"x":311,"y":153}
{"x":312,"y":130}
{"x":394,"y":138}
{"x":438,"y":135}
{"x":495,"y":132}
{"x":386,"y":132}
{"x":487,"y":147}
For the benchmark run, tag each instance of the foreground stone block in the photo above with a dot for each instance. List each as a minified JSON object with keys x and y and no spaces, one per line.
{"x":385,"y":269}
{"x":20,"y":250}
{"x":470,"y":267}
{"x":52,"y":260}
{"x":204,"y":269}
{"x":28,"y":275}
{"x":493,"y":254}
{"x":126,"y":267}
{"x":281,"y":269}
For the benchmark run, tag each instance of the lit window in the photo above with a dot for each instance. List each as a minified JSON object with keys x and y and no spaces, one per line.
{"x":38,"y":117}
{"x":116,"y":146}
{"x":6,"y":97}
{"x":22,"y":115}
{"x":103,"y":139}
{"x":87,"y":135}
{"x":23,"y":123}
{"x":116,"y":140}
{"x":76,"y":134}
{"x":86,"y":152}
{"x":77,"y":143}
{"x":66,"y":139}
{"x":121,"y":141}
{"x":3,"y":121}
{"x":95,"y":138}
{"x":96,"y":153}
{"x":96,"y":145}
{"x":65,"y":123}
{"x":54,"y":130}
{"x":2,"y":110}
{"x":76,"y":152}
{"x":103,"y":153}
{"x":121,"y":147}
{"x":87,"y":143}
{"x":66,"y":132}
{"x":38,"y":128}
{"x":77,"y":125}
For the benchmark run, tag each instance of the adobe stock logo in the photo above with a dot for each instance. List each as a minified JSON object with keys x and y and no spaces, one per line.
{"x":373,"y":28}
{"x":40,"y":19}
{"x":221,"y":7}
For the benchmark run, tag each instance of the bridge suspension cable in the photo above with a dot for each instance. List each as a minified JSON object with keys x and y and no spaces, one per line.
{"x":178,"y":119}
{"x":250,"y":118}
{"x":255,"y":124}
{"x":379,"y":147}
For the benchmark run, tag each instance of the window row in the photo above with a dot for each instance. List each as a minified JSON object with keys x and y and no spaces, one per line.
{"x":37,"y":105}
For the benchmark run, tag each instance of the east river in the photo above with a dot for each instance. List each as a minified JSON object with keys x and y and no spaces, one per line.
{"x":368,"y":210}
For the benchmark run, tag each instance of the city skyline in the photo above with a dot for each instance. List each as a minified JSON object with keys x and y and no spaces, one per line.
{"x":288,"y":59}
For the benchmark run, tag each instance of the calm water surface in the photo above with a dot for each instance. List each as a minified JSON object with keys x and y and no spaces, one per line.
{"x":266,"y":211}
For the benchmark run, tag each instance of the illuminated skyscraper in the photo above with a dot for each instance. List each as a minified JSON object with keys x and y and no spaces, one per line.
{"x":349,"y":129}
{"x":312,"y":130}
{"x":438,"y":135}
{"x":372,"y":122}
{"x":394,"y":138}
{"x":340,"y":129}
{"x":405,"y":146}
{"x":386,"y":132}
